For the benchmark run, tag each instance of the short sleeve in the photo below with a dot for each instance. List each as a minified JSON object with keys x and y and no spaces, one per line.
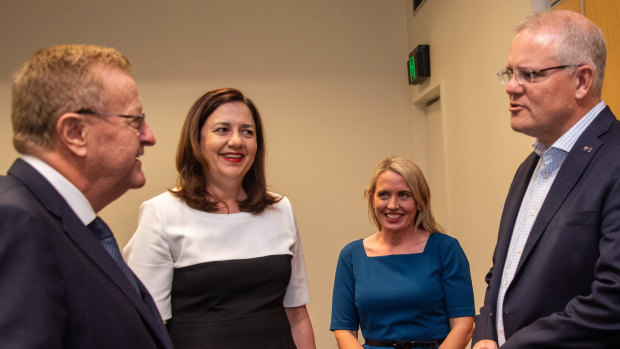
{"x":297,"y":291}
{"x":148,"y":255}
{"x":344,"y":311}
{"x":456,"y":280}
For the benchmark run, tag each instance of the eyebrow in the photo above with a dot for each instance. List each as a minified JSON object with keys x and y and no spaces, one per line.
{"x":225,"y":123}
{"x":519,"y":68}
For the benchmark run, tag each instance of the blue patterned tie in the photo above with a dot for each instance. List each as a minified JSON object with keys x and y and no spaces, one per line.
{"x":104,"y":234}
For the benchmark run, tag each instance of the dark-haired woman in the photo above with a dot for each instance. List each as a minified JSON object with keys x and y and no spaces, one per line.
{"x":219,"y":253}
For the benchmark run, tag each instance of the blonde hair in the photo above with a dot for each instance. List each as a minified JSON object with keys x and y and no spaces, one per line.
{"x":56,"y":80}
{"x":414,"y":178}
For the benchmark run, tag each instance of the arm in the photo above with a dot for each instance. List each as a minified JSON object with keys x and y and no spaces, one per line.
{"x":301,"y":327}
{"x":484,"y":329}
{"x":148,"y":255}
{"x":461,"y":329}
{"x":347,"y":339}
{"x":344,"y":311}
{"x":32,"y":288}
{"x":484,"y":323}
{"x":297,"y":292}
{"x":588,"y":320}
{"x":458,"y":294}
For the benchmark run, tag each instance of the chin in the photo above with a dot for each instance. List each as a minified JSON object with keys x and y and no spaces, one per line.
{"x":138,"y":181}
{"x":517,"y":125}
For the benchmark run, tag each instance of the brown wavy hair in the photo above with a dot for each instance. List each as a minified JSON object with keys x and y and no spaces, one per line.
{"x":192,"y":168}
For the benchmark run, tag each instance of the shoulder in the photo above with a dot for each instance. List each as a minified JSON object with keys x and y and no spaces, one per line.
{"x":165,"y":201}
{"x":13,"y":191}
{"x":353,"y":247}
{"x":443,"y":239}
{"x":443,"y":244}
{"x":606,"y":126}
{"x":281,"y":200}
{"x":165,"y":198}
{"x":18,"y":202}
{"x":26,"y":225}
{"x":8,"y":183}
{"x":282,"y":206}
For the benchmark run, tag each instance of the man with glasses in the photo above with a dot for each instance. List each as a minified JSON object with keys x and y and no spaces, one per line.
{"x":555,"y":280}
{"x":78,"y":123}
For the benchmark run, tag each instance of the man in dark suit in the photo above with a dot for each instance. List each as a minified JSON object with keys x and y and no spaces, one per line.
{"x":78,"y":123}
{"x":555,"y":279}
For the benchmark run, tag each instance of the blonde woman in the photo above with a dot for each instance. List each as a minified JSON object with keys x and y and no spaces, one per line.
{"x":408,"y":285}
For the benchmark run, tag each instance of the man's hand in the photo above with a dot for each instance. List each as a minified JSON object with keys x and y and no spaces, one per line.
{"x":485,"y":344}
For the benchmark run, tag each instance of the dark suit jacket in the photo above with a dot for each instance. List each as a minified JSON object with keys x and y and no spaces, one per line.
{"x":566,"y":290}
{"x":58,"y":286}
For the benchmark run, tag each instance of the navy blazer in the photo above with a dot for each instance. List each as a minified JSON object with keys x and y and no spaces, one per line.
{"x":566,"y":289}
{"x":59,"y":288}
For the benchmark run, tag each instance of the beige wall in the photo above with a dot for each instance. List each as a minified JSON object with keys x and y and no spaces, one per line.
{"x":329,"y":79}
{"x":469,"y":43}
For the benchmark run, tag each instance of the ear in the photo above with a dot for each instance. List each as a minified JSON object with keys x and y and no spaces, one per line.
{"x":72,"y":130}
{"x":585,"y":78}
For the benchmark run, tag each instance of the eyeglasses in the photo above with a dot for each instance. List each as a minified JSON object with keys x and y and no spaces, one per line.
{"x":525,"y":75}
{"x":137,"y":121}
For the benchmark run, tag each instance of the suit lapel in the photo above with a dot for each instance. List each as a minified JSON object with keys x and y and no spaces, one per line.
{"x":568,"y":176}
{"x":511,"y":208}
{"x":85,"y":240}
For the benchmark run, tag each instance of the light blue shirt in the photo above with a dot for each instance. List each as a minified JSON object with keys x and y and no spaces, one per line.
{"x":550,"y":162}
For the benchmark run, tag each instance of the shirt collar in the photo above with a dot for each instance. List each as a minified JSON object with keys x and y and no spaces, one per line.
{"x":72,"y":195}
{"x":570,"y":137}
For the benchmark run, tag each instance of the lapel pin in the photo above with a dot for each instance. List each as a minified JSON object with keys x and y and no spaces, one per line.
{"x":587,"y":149}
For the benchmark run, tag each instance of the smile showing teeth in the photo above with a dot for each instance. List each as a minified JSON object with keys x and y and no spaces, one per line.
{"x":393,"y":215}
{"x":233,"y":156}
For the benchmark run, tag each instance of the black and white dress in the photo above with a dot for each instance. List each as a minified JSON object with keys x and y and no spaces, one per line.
{"x":221,"y":280}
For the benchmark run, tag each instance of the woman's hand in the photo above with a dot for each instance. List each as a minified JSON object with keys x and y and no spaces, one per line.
{"x":347,"y":339}
{"x":461,"y":329}
{"x":301,"y":328}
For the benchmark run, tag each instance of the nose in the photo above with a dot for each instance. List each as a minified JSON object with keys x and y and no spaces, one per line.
{"x":392,"y":202}
{"x":235,"y":140}
{"x":147,"y":137}
{"x":513,"y":86}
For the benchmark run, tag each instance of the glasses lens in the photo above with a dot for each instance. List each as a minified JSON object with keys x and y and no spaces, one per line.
{"x":138,"y":122}
{"x":504,"y":76}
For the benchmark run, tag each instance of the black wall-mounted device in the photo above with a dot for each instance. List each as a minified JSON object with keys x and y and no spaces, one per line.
{"x":419,"y":65}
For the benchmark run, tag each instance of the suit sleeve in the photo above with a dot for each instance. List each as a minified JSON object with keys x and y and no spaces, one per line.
{"x":589,"y":320}
{"x":32,"y":295}
{"x":485,"y":321}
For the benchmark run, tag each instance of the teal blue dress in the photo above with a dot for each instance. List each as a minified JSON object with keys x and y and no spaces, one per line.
{"x":402,"y":296}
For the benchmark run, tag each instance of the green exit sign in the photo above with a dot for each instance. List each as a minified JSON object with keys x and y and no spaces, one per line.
{"x":419,"y":65}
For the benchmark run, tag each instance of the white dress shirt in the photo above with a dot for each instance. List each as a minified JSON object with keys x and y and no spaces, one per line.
{"x":72,"y":195}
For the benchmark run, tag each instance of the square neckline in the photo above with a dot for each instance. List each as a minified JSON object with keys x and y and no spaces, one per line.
{"x":397,"y":254}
